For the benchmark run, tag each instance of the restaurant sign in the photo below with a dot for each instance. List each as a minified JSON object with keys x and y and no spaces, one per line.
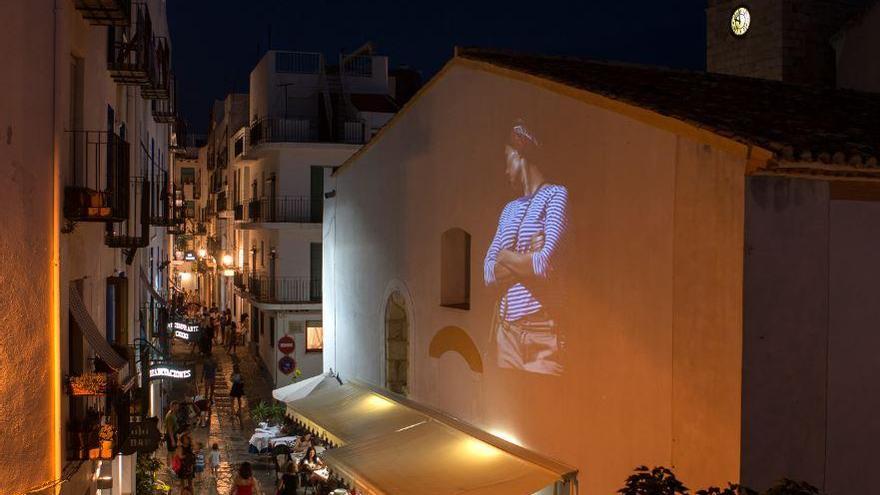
{"x":168,"y":371}
{"x":143,"y":437}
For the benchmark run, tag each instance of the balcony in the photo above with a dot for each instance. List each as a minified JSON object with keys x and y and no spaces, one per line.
{"x":105,"y":12}
{"x":284,"y":209}
{"x":238,"y":212}
{"x":165,"y":110}
{"x":130,"y":50}
{"x":134,"y":230}
{"x":178,"y":137}
{"x":287,"y":130}
{"x":99,"y":176}
{"x":221,"y":202}
{"x":284,"y":290}
{"x":158,"y":85}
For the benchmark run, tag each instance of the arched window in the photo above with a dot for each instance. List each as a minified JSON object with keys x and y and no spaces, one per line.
{"x":396,"y":344}
{"x":455,"y":269}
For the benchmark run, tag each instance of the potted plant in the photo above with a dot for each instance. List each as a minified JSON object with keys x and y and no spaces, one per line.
{"x":105,"y":435}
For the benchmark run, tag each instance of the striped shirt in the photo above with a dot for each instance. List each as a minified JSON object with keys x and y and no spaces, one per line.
{"x":523,"y":218}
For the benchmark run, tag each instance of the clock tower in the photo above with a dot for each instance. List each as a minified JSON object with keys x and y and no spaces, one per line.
{"x":784,"y":40}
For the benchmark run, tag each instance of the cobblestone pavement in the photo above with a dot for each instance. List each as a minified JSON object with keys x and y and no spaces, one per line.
{"x":230,"y":431}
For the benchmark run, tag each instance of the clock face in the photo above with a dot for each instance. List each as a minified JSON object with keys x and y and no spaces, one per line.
{"x":740,"y":20}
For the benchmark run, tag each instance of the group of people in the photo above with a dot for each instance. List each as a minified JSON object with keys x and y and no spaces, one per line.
{"x":220,"y":327}
{"x":186,"y":458}
{"x":301,"y":471}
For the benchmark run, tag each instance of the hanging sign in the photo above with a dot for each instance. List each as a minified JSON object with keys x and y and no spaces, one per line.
{"x":286,"y":365}
{"x":142,"y":437}
{"x":286,"y":344}
{"x":169,"y":371}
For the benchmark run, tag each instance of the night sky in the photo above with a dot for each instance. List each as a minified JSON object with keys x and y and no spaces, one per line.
{"x":216,"y":43}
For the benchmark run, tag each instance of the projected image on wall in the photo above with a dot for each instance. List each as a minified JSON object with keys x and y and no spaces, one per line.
{"x":522,"y":260}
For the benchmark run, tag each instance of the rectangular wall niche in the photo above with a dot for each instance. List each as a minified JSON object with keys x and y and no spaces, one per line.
{"x":455,"y":269}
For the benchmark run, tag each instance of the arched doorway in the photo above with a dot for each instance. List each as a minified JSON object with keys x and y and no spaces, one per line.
{"x":396,"y":344}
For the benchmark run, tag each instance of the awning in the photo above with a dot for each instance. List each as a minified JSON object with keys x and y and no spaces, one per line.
{"x":391,"y":445}
{"x":156,"y":296}
{"x":90,"y":331}
{"x":349,"y":413}
{"x":432,"y":458}
{"x":301,"y":389}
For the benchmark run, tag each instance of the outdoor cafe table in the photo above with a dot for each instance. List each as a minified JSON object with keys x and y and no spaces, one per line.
{"x":260,"y":439}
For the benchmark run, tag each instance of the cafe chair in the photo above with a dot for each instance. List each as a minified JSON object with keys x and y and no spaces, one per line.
{"x":277,"y":451}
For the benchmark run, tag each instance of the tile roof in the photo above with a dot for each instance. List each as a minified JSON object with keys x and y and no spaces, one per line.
{"x":799,"y":124}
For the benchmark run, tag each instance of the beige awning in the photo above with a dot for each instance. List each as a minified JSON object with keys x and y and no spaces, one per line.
{"x":390,"y":445}
{"x":432,"y":458}
{"x":349,"y":413}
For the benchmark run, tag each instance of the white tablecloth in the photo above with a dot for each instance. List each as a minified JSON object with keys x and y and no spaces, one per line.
{"x":260,"y":438}
{"x":289,"y":441}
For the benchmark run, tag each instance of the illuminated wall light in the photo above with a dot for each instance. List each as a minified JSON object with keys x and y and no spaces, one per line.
{"x":506,"y":435}
{"x":227,"y":259}
{"x":203,"y":252}
{"x":185,"y":276}
{"x":373,"y":403}
{"x":229,"y":272}
{"x":476,"y":449}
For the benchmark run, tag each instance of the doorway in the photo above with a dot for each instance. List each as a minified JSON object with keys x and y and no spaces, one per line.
{"x":396,"y":344}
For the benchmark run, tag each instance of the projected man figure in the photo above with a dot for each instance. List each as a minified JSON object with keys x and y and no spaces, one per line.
{"x":521,"y":258}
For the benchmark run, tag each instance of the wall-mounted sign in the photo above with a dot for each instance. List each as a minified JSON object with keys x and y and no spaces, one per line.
{"x":182,"y":335}
{"x":179,"y":325}
{"x":286,"y":365}
{"x":142,"y":437}
{"x":189,"y":256}
{"x":286,"y":344}
{"x":169,"y":371}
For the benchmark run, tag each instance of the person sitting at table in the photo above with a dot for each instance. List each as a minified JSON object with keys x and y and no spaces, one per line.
{"x":303,"y":443}
{"x":289,"y":480}
{"x":311,"y":463}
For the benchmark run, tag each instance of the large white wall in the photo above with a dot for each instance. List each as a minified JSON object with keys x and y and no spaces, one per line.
{"x":654,"y":311}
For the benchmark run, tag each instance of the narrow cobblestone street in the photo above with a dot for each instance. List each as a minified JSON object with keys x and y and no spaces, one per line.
{"x":230,"y":431}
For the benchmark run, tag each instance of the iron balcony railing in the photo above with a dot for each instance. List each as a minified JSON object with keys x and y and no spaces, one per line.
{"x":165,"y":110}
{"x":285,"y":209}
{"x":130,"y":49}
{"x":134,"y":230}
{"x":284,"y":290}
{"x":178,"y":137}
{"x":105,"y":12}
{"x":98,"y":184}
{"x":158,"y":84}
{"x":286,"y":130}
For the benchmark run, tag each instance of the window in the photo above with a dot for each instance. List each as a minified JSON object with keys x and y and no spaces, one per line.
{"x":315,"y":257}
{"x":271,"y":332}
{"x":455,"y":269}
{"x":314,"y":336}
{"x":188,"y":175}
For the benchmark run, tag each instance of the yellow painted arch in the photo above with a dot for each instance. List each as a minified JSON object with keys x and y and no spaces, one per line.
{"x":455,"y":339}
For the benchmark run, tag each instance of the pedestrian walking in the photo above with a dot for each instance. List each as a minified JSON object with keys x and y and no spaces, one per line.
{"x":209,"y":376}
{"x":199,"y":460}
{"x":187,"y":462}
{"x":215,"y":459}
{"x":233,"y":339}
{"x":245,"y":483}
{"x":237,"y":389}
{"x":171,"y":429}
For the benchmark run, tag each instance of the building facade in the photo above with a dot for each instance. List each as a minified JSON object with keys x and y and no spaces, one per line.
{"x":267,"y":157}
{"x":660,"y":319}
{"x":88,"y":153}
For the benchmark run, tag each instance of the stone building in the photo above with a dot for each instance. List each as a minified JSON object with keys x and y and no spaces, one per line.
{"x":784,"y":40}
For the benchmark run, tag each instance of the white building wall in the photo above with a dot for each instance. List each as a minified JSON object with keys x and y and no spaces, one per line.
{"x":628,"y":395}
